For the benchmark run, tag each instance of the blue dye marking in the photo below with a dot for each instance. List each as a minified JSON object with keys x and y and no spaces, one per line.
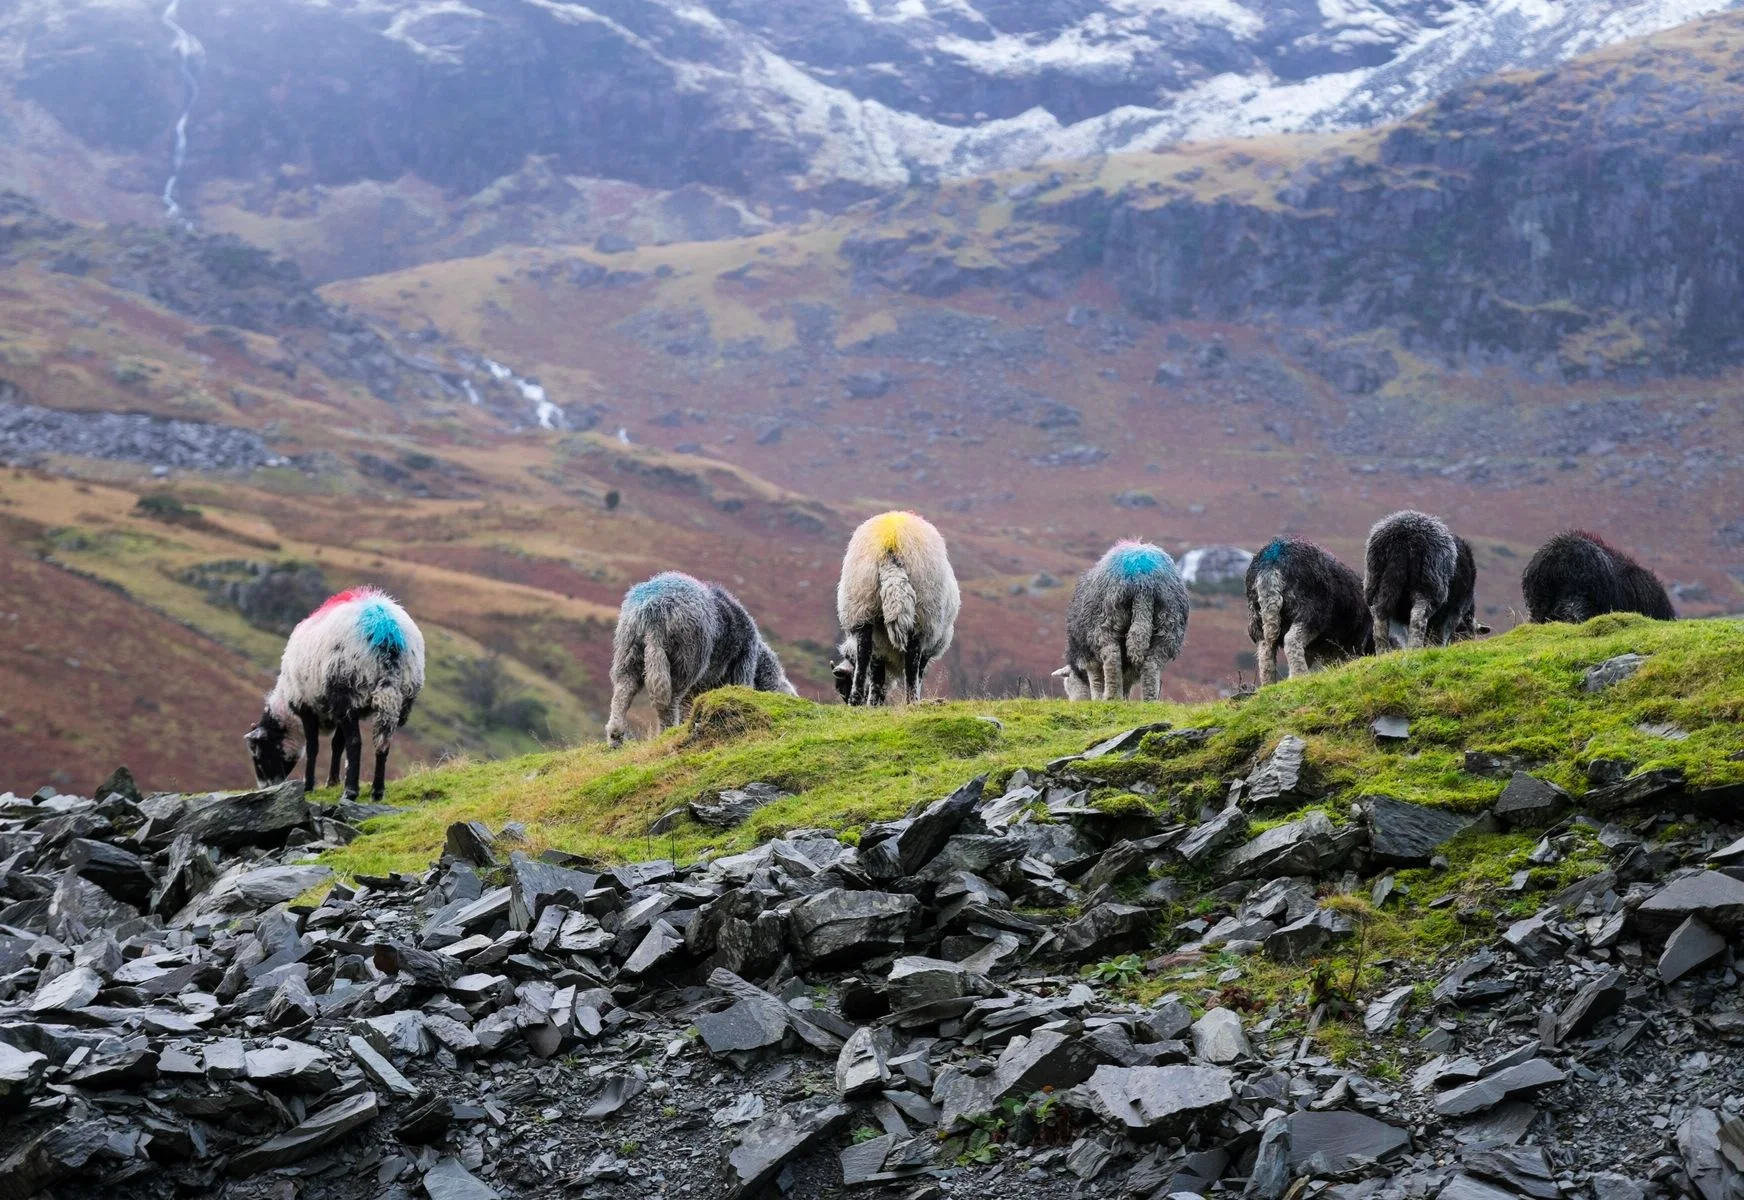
{"x":666,"y":583}
{"x":379,"y":627}
{"x":1138,"y":559}
{"x":1274,"y":551}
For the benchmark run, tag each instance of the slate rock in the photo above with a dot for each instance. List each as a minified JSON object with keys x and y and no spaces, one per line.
{"x":1524,"y":1170}
{"x":1530,"y":802}
{"x":121,"y":873}
{"x":661,"y":945}
{"x":1336,"y":1142}
{"x":734,"y":806}
{"x":917,"y":840}
{"x":1106,"y":929}
{"x":450,"y":1180}
{"x":71,"y":990}
{"x":1715,"y":897}
{"x":618,"y":1091}
{"x":1218,"y":1037}
{"x":1390,"y":729}
{"x":381,"y":1072}
{"x":1593,"y":1003}
{"x":1407,"y":835}
{"x":768,"y":1144}
{"x":1302,"y":847}
{"x":1209,"y":837}
{"x":1281,"y":778}
{"x":472,"y":842}
{"x":1466,"y":1187}
{"x":835,"y":925}
{"x":21,"y":1073}
{"x":1660,"y":786}
{"x":1611,"y":671}
{"x":1485,"y":1093}
{"x":1160,"y":1101}
{"x":119,"y":782}
{"x":533,"y":885}
{"x":291,"y":1062}
{"x":319,"y":1129}
{"x":258,"y":818}
{"x":60,"y":1152}
{"x":752,"y":1022}
{"x":1534,"y":941}
{"x":1385,"y":1012}
{"x":863,"y":1067}
{"x":1690,"y":947}
{"x":1047,"y":1059}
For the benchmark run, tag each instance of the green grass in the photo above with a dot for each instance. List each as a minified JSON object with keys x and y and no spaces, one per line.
{"x":1519,"y":693}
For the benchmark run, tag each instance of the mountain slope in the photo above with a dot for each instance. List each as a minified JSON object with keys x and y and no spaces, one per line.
{"x":789,"y":104}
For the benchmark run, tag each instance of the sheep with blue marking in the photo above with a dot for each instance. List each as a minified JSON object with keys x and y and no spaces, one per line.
{"x":1302,"y":600}
{"x":1576,"y":576}
{"x":897,"y":600}
{"x":358,"y":657}
{"x":1413,"y":582}
{"x":1126,"y":621}
{"x":679,"y":637}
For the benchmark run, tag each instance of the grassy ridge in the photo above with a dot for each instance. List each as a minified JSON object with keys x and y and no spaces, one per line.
{"x":1519,"y":693}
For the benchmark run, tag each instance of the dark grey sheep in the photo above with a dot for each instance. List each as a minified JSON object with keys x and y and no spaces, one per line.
{"x":1304,"y":600}
{"x":1576,"y":576}
{"x":1126,"y":621}
{"x":1411,"y":561}
{"x":679,"y":637}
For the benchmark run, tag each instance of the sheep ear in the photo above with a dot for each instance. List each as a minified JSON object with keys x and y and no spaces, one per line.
{"x":1062,"y":672}
{"x":254,"y":735}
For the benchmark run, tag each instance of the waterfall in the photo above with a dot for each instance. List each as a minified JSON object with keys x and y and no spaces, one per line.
{"x":549,"y":415}
{"x":188,"y":51}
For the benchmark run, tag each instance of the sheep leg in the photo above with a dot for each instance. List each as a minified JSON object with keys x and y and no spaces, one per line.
{"x":1296,"y":650}
{"x":1383,"y":629}
{"x":1093,"y":673}
{"x":311,"y":746}
{"x":911,"y":670}
{"x":380,"y":787}
{"x":1266,"y":661}
{"x":353,"y":757}
{"x":1420,"y":609}
{"x":336,"y":761}
{"x":880,"y":682}
{"x":1150,"y":682}
{"x":1113,"y":676}
{"x":626,"y":682}
{"x":863,"y":680}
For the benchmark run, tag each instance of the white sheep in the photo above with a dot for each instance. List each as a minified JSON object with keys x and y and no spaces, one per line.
{"x":358,"y":656}
{"x":1127,"y":619}
{"x":679,"y":637}
{"x":897,"y":601}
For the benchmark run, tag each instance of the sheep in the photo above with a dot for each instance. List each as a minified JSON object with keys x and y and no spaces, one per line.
{"x":1301,"y":598}
{"x":1127,"y":618}
{"x":897,"y":601}
{"x":1411,"y":564}
{"x":1575,"y":576}
{"x":357,"y":656}
{"x":679,"y":637}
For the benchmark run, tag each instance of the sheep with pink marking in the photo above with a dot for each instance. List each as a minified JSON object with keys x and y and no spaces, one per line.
{"x":359,"y":657}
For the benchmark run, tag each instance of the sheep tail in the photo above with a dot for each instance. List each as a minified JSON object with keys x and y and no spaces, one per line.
{"x":657,"y":672}
{"x":897,"y":601}
{"x":1139,"y":632}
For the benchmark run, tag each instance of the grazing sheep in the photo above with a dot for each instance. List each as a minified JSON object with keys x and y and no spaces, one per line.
{"x":679,"y":637}
{"x":1575,"y":576}
{"x":897,"y":601}
{"x":1304,"y":600}
{"x":1411,"y":563}
{"x":1127,"y":618}
{"x":1077,"y":687}
{"x":357,"y":656}
{"x":1457,"y":619}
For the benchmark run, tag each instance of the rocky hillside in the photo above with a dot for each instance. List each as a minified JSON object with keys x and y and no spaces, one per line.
{"x":1069,"y":975}
{"x":787,"y":105}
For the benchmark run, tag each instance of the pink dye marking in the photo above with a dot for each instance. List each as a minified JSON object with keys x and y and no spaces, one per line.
{"x":346,"y":597}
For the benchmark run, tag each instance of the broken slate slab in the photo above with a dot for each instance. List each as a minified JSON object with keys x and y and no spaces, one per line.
{"x":1281,"y":777}
{"x":72,"y":989}
{"x":1660,"y":786}
{"x":913,"y":843}
{"x":1407,"y":835}
{"x":1208,"y":837}
{"x":1105,"y":929}
{"x":1218,"y":1037}
{"x":1612,"y":671}
{"x":1161,"y":1101}
{"x":1302,"y":847}
{"x":1335,"y":1142}
{"x":734,"y":806}
{"x":534,"y":885}
{"x":450,"y":1180}
{"x":1717,"y":898}
{"x":1485,"y":1093}
{"x":1592,"y":1004}
{"x":768,"y":1144}
{"x":1690,"y":947}
{"x":1391,"y":729}
{"x":836,"y":924}
{"x":259,"y":818}
{"x":319,"y":1129}
{"x":1530,"y":802}
{"x":1385,"y":1012}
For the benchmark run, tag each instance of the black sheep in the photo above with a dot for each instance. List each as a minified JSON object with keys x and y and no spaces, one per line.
{"x":1575,"y":576}
{"x":1301,"y":598}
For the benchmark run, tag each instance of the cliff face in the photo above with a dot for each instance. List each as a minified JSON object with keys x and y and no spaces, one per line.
{"x":1590,"y":219}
